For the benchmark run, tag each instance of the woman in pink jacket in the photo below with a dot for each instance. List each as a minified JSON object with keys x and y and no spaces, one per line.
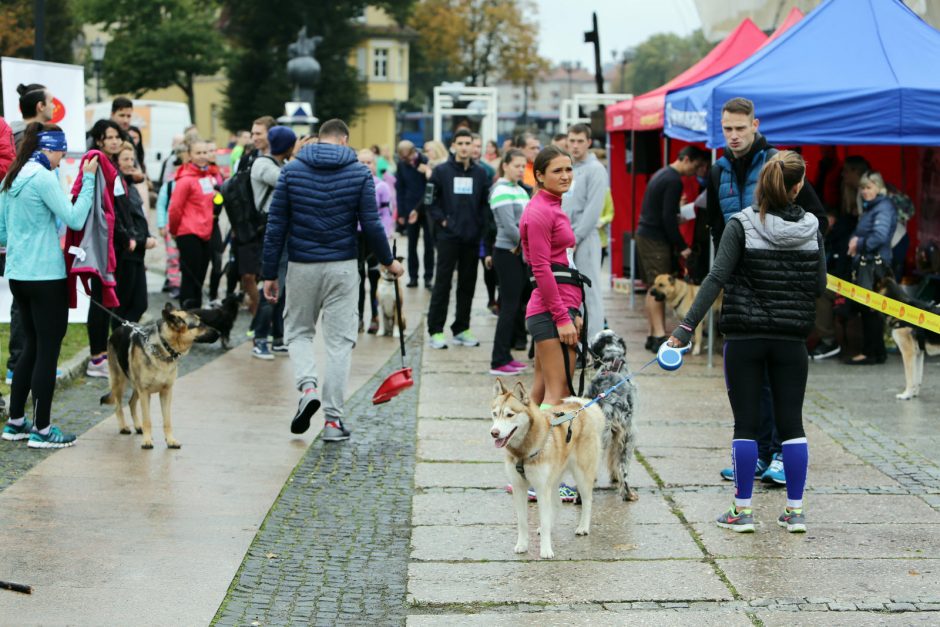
{"x":190,"y":221}
{"x":553,"y":315}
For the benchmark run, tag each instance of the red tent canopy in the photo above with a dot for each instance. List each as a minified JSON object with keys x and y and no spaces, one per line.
{"x":794,"y":16}
{"x":645,"y":112}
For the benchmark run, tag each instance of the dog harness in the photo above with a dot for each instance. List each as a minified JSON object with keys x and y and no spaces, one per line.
{"x":520,"y":465}
{"x":571,"y":276}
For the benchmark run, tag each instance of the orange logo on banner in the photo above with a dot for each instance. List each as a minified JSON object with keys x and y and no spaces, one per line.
{"x":853,"y":291}
{"x":901,"y":313}
{"x":884,"y":305}
{"x":58,"y":111}
{"x":867,"y":298}
{"x":921,"y":319}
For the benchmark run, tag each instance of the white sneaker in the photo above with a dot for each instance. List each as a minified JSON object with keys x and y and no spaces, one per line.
{"x":99,"y":370}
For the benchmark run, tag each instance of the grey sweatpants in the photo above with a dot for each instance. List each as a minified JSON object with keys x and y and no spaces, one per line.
{"x":330,"y":288}
{"x":587,"y":257}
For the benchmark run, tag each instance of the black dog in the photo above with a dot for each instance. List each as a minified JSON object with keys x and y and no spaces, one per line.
{"x":221,"y":318}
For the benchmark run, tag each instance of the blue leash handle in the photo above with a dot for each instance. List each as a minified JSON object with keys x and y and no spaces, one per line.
{"x":571,"y":415}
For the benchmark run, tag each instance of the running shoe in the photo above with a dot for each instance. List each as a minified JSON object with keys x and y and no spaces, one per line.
{"x":306,"y":408}
{"x":14,"y":433}
{"x":793,"y":520}
{"x":438,"y":341}
{"x":465,"y":338}
{"x":334,"y":431}
{"x":260,"y":350}
{"x":97,"y":370}
{"x":279,"y":348}
{"x":519,"y":366}
{"x":53,"y":439}
{"x":774,"y":472}
{"x":567,"y":493}
{"x":737,"y":521}
{"x":728,"y":473}
{"x":505,"y":370}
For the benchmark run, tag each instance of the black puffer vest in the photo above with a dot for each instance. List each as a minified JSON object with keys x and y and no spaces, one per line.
{"x":773,"y":289}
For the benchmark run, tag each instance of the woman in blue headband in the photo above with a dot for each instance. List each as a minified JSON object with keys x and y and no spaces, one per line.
{"x":31,"y":198}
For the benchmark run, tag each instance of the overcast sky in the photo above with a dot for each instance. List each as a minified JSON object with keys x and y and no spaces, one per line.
{"x":622,"y":23}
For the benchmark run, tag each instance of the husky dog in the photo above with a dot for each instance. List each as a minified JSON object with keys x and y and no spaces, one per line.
{"x":387,"y":308}
{"x":147,"y":361}
{"x":610,"y":363}
{"x":538,"y":454}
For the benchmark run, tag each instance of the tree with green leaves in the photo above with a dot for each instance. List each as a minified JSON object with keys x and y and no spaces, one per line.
{"x":476,"y":41}
{"x":157,"y":44}
{"x":661,"y":58}
{"x":259,"y":33}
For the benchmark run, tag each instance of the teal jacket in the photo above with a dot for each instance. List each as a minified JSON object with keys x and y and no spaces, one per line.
{"x":28,"y":212}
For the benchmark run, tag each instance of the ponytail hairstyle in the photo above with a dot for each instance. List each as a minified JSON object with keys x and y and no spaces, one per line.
{"x":544,"y":158}
{"x":777,"y":180}
{"x":30,"y":97}
{"x":511,"y":154}
{"x":28,"y":146}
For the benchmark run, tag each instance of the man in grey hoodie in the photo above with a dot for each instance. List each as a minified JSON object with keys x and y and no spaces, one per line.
{"x":583,"y":204}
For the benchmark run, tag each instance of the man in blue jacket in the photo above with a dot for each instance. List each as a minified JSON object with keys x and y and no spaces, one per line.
{"x":411,"y":179}
{"x":319,"y":200}
{"x":461,"y":192}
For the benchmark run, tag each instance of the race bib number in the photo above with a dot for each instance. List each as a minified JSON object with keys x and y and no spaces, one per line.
{"x":118,"y":187}
{"x":463,"y":185}
{"x":206,"y":183}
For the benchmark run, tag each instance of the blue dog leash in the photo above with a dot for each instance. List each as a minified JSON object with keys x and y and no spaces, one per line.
{"x":669,"y":358}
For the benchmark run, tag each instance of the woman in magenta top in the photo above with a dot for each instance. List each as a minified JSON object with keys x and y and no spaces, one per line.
{"x":553,"y":315}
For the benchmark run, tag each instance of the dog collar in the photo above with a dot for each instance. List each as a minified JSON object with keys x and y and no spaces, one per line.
{"x":173,"y":354}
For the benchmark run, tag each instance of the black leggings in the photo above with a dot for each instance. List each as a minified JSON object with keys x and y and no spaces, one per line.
{"x":98,"y":320}
{"x":786,"y":364}
{"x":194,"y":262}
{"x":44,"y":308}
{"x":131,"y":291}
{"x":512,"y":283}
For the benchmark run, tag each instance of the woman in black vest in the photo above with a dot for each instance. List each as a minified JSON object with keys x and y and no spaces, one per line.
{"x":772,"y":265}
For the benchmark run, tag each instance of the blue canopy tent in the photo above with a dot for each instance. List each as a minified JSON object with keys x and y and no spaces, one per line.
{"x":851,"y":72}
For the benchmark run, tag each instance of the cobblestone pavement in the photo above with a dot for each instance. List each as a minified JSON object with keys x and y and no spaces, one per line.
{"x":871,"y":556}
{"x":334,"y":547}
{"x":75,"y":407}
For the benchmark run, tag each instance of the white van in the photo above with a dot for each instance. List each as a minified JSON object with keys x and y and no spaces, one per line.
{"x":158,"y":121}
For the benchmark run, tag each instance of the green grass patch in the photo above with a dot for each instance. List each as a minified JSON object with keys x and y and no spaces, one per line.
{"x":75,"y":341}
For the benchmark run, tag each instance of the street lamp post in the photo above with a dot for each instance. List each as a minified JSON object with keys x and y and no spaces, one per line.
{"x":97,"y":56}
{"x":628,"y":55}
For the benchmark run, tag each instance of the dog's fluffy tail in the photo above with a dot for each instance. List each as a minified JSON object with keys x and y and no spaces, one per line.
{"x":107,"y":399}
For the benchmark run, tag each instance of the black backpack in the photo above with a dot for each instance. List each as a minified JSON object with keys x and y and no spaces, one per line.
{"x":248,"y":221}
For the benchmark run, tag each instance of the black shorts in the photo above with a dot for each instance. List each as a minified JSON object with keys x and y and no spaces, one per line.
{"x":541,"y":326}
{"x":249,"y":258}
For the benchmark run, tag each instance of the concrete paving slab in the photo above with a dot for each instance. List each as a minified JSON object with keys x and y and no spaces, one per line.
{"x":488,"y":507}
{"x":860,"y":541}
{"x":475,"y":475}
{"x":677,"y":469}
{"x":843,"y":579}
{"x":820,"y":508}
{"x":845,"y":619}
{"x":563,"y":582}
{"x":648,"y":618}
{"x":611,"y":538}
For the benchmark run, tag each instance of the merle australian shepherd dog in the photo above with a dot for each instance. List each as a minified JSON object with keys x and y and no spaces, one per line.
{"x":610,"y":364}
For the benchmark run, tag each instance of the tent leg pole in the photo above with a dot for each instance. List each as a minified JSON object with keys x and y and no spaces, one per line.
{"x":711,"y":313}
{"x":632,"y":273}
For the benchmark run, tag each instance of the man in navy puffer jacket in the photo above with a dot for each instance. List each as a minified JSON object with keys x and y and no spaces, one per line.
{"x":320,"y":198}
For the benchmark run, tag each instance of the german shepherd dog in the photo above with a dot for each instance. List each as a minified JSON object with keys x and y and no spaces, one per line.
{"x":679,"y":295}
{"x":538,"y":454}
{"x":619,"y":407}
{"x":147,"y":359}
{"x":386,"y":297}
{"x":221,"y":318}
{"x":913,"y":342}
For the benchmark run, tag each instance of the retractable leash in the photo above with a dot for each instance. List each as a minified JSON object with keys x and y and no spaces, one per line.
{"x":668,"y":358}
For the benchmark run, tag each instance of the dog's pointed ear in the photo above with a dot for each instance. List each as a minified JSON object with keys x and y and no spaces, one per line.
{"x":518,"y":390}
{"x":672,"y":279}
{"x":500,"y":388}
{"x":171,"y":318}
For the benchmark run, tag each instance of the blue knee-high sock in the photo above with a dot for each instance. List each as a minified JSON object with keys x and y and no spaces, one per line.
{"x":744,"y":462}
{"x":795,"y":463}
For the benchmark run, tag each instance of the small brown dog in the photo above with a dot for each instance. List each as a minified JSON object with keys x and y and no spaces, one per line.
{"x":387,"y":308}
{"x":148,"y":360}
{"x":680,"y":295}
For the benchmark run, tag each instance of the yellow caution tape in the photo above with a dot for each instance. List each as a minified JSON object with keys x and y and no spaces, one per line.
{"x":885,"y":305}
